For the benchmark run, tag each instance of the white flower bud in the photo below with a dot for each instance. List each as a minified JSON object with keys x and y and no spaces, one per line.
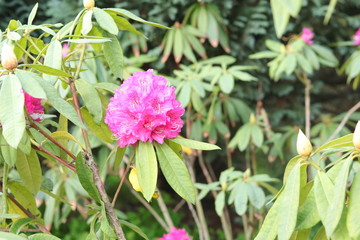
{"x":356,"y":137}
{"x":89,"y":3}
{"x":8,"y":57}
{"x":303,"y":145}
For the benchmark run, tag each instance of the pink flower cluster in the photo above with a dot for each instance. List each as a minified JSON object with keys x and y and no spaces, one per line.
{"x":34,"y":107}
{"x":356,"y":38}
{"x":307,"y":35}
{"x":175,"y":234}
{"x":144,"y":109}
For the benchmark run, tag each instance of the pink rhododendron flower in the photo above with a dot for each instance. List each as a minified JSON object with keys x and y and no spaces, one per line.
{"x":307,"y":35}
{"x":175,"y":234}
{"x":144,"y":109}
{"x":356,"y":38}
{"x":34,"y":107}
{"x":65,"y":50}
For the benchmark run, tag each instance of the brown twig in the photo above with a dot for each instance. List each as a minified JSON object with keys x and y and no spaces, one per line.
{"x":120,"y":185}
{"x":33,"y":125}
{"x":344,"y":120}
{"x":59,"y":159}
{"x":22,"y":230}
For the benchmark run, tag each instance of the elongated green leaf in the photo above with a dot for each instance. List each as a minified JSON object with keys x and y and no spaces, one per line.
{"x":91,"y":99}
{"x":53,"y":59}
{"x":60,"y":104}
{"x":88,"y":40}
{"x":256,"y":195}
{"x":105,"y":21}
{"x":281,"y":17}
{"x":241,"y":198}
{"x":134,"y":228}
{"x":195,"y":144}
{"x":23,"y":196}
{"x":308,"y":215}
{"x":289,"y":204}
{"x":175,"y":172}
{"x":29,"y":169}
{"x":114,"y":55}
{"x":321,"y":235}
{"x":124,"y":24}
{"x":263,"y":54}
{"x":87,"y":23}
{"x":12,"y":110}
{"x":345,"y":141}
{"x":19,"y":224}
{"x":178,"y":45}
{"x":226,"y":83}
{"x":323,"y":190}
{"x":11,"y":236}
{"x":43,"y":236}
{"x":353,"y":223}
{"x":86,"y":178}
{"x":47,"y":70}
{"x":32,"y":14}
{"x":29,"y":83}
{"x":100,"y":130}
{"x":329,"y":11}
{"x":8,"y":153}
{"x":268,"y":230}
{"x":337,"y":201}
{"x":185,"y":94}
{"x":220,"y":203}
{"x":292,"y":6}
{"x":132,"y":16}
{"x":120,"y":152}
{"x":146,"y":168}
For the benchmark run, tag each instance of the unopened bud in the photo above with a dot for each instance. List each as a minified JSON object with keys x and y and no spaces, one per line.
{"x":89,"y":3}
{"x":252,"y":119}
{"x":356,"y":137}
{"x":8,"y":57}
{"x":303,"y":145}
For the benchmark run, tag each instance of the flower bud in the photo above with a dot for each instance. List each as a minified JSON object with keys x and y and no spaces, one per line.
{"x":89,"y":3}
{"x":8,"y":57}
{"x":356,"y":137}
{"x":303,"y":145}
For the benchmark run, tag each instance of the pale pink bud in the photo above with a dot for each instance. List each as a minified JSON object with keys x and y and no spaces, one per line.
{"x":356,"y":137}
{"x":303,"y":145}
{"x":8,"y":57}
{"x":89,"y":4}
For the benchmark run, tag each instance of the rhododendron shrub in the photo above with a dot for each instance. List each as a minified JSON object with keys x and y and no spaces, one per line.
{"x":144,"y":109}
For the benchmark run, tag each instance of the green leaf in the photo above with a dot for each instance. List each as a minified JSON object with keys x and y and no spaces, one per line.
{"x":114,"y":55}
{"x":125,"y":25}
{"x":185,"y":94}
{"x":292,"y":6}
{"x":321,"y":235}
{"x":132,"y":16}
{"x":323,"y":190}
{"x":326,"y":54}
{"x":289,"y":204}
{"x":336,"y":204}
{"x":19,"y":224}
{"x":308,"y":215}
{"x":353,"y":223}
{"x":60,"y":104}
{"x":195,"y":144}
{"x":12,"y":110}
{"x":226,"y":83}
{"x":91,"y":99}
{"x":47,"y":70}
{"x":8,"y":153}
{"x":175,"y":172}
{"x":23,"y":196}
{"x":256,"y":195}
{"x":30,"y":84}
{"x":87,"y":23}
{"x":220,"y":203}
{"x":268,"y":230}
{"x":281,"y":17}
{"x":101,"y":130}
{"x":120,"y":152}
{"x":274,"y":46}
{"x":146,"y":168}
{"x":291,"y":64}
{"x":178,"y":45}
{"x":53,"y":59}
{"x":107,"y":86}
{"x":105,"y":21}
{"x":244,"y":76}
{"x":329,"y":11}
{"x":29,"y":169}
{"x":257,"y":135}
{"x":11,"y":236}
{"x":134,"y":228}
{"x":43,"y":236}
{"x":241,"y":198}
{"x":86,"y":177}
{"x":303,"y":63}
{"x":345,"y":141}
{"x":263,"y":54}
{"x":106,"y":227}
{"x":32,"y":14}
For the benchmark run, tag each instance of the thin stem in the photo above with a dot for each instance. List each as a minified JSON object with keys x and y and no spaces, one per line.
{"x":110,"y":212}
{"x":82,"y":56}
{"x":196,"y":219}
{"x":34,"y":45}
{"x":246,"y":226}
{"x":59,"y":159}
{"x":120,"y":184}
{"x":307,"y":107}
{"x":164,"y":210}
{"x":34,"y":125}
{"x":343,"y":121}
{"x":4,"y":187}
{"x":148,"y":207}
{"x":312,"y":163}
{"x":26,"y":52}
{"x":22,"y":230}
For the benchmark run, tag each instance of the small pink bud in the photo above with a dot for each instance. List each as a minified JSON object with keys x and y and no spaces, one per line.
{"x":8,"y":57}
{"x":89,"y":3}
{"x":356,"y":137}
{"x":303,"y":145}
